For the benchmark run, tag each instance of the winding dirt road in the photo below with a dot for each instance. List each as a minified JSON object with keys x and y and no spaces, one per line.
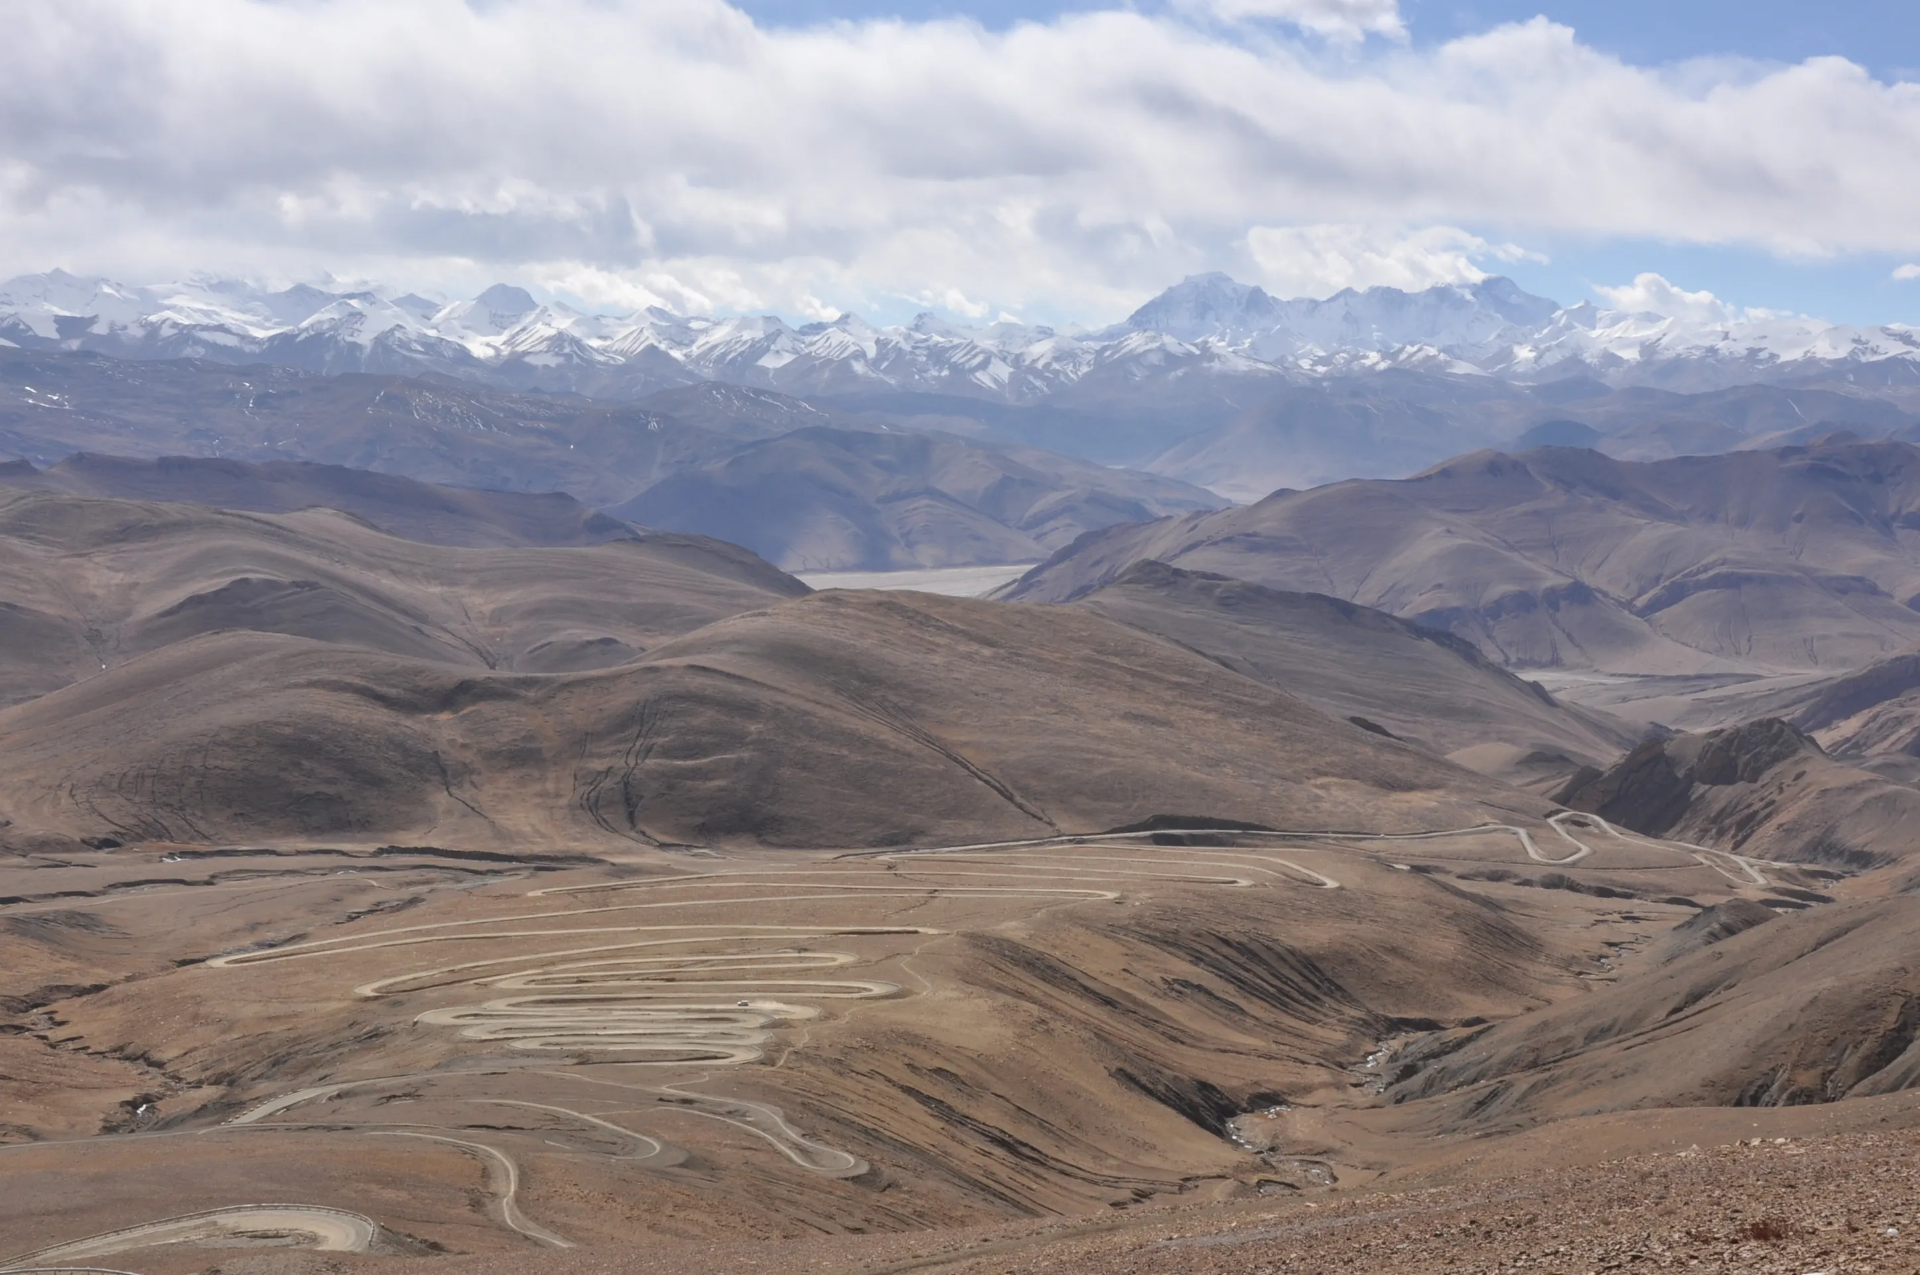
{"x":506,"y":1184}
{"x":1744,"y":870}
{"x":619,"y":980}
{"x":328,"y":1230}
{"x":674,"y":994}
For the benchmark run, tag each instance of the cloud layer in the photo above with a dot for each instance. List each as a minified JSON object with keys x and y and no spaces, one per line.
{"x":630,"y":150}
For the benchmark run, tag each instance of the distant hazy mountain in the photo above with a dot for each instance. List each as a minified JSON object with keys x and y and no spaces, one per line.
{"x":1213,"y":308}
{"x":399,"y":506}
{"x":1213,"y":383}
{"x":1205,"y":328}
{"x":812,"y":487}
{"x":839,"y":499}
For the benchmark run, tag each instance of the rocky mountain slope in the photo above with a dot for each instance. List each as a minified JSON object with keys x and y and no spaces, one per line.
{"x":916,"y":924}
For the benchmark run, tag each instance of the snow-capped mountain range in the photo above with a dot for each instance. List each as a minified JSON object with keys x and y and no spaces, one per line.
{"x":1204,"y":327}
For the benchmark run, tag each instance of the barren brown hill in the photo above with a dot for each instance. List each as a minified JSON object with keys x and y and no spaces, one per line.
{"x":1840,"y":700}
{"x":843,"y":718}
{"x":1797,"y":1189}
{"x":1799,"y":558}
{"x":1422,"y":685}
{"x":403,"y":507}
{"x":86,"y":584}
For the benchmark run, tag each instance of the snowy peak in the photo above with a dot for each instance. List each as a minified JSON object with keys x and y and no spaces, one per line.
{"x":494,"y":312}
{"x":1206,"y":305}
{"x":1214,"y":308}
{"x":293,"y":305}
{"x":1206,"y":326}
{"x":1448,"y":316}
{"x":1509,"y":300}
{"x":357,"y":318}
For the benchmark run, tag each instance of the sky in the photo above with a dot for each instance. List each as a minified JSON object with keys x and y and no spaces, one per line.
{"x":1049,"y":162}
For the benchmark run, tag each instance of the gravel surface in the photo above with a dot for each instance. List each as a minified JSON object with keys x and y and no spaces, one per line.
{"x":1790,"y":1206}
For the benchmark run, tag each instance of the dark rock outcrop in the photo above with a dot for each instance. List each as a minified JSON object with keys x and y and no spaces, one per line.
{"x":1653,"y":788}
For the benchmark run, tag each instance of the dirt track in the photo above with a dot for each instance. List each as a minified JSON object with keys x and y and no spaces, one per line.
{"x":328,"y":1230}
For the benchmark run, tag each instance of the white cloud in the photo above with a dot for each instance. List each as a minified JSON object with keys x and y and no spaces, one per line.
{"x":1341,"y":20}
{"x":606,"y":290}
{"x":952,"y":300}
{"x":1909,"y":271}
{"x":1318,"y":260}
{"x":1652,"y":294}
{"x":816,"y":309}
{"x":1062,"y":170}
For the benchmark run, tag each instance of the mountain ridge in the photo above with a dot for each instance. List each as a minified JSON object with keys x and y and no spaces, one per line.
{"x":1205,"y":325}
{"x":526,"y":446}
